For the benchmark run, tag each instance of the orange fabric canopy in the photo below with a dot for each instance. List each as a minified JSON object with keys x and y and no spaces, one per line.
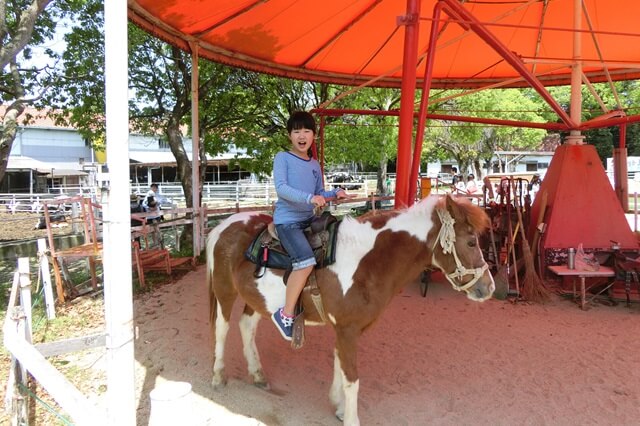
{"x":351,"y":42}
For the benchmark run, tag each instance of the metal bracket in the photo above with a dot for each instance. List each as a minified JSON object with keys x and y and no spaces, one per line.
{"x":410,"y":19}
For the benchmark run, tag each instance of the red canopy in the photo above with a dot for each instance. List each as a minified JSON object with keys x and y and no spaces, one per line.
{"x":350,"y":42}
{"x":448,"y":43}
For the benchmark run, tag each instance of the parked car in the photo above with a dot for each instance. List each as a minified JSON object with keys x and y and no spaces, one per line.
{"x":352,"y":182}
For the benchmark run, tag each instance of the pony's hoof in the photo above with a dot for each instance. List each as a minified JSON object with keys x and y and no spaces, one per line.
{"x":264,"y":385}
{"x":218,"y":382}
{"x":260,"y":380}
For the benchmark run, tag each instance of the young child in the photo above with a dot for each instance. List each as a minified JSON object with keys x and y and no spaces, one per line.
{"x":298,"y":182}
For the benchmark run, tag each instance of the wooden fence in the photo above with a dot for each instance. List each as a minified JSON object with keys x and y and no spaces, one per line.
{"x":27,"y":357}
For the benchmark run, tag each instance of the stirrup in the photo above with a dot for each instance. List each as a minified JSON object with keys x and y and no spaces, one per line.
{"x":297,"y":331}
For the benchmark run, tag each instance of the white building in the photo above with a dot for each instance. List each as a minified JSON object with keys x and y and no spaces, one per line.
{"x":45,"y":156}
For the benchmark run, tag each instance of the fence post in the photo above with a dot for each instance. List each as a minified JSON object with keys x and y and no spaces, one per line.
{"x":25,"y":294}
{"x":45,"y":273}
{"x":203,"y":225}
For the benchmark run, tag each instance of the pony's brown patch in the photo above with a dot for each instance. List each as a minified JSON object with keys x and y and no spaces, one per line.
{"x":377,"y":218}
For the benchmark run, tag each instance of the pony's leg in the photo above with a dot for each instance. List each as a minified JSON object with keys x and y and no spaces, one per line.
{"x":221,"y":330}
{"x":248,"y":325}
{"x":346,"y":349}
{"x":336,"y":394}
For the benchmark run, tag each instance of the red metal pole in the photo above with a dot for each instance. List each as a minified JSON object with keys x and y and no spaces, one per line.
{"x":620,"y":170}
{"x":492,"y":121}
{"x":408,"y":88}
{"x":468,"y":21}
{"x":314,"y":147}
{"x":424,"y":103}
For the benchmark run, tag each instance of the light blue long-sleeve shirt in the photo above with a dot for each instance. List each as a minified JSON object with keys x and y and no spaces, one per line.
{"x":296,"y":181}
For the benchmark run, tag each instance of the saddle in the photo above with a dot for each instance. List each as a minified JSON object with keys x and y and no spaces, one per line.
{"x":266,"y":252}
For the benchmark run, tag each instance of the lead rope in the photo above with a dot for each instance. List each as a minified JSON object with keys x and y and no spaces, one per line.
{"x":447,"y":238}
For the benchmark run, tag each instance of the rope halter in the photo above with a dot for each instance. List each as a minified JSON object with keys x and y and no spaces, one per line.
{"x":447,"y":238}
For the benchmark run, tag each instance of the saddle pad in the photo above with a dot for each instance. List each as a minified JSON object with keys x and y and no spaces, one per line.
{"x":277,"y":257}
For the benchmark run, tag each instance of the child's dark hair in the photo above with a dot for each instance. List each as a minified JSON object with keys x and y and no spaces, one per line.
{"x":301,"y":120}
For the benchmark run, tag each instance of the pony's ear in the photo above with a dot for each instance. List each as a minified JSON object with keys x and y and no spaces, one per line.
{"x":453,"y":208}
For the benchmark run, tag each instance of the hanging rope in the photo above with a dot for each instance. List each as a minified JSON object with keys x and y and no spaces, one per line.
{"x":447,"y":238}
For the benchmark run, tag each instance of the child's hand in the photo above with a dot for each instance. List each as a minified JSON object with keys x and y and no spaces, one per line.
{"x":343,"y":194}
{"x":318,"y":201}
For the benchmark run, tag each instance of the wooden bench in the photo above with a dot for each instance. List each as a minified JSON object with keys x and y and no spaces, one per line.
{"x":157,"y":259}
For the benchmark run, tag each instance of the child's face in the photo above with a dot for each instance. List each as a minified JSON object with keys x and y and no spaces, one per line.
{"x":301,"y":140}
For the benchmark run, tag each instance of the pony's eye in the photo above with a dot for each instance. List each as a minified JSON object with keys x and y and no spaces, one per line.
{"x":471,"y":243}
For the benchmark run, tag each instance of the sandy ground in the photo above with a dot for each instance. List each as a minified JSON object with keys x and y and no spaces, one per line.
{"x":441,"y":360}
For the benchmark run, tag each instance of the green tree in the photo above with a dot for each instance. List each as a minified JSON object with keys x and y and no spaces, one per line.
{"x":25,"y":25}
{"x":472,"y":145}
{"x":368,"y":140}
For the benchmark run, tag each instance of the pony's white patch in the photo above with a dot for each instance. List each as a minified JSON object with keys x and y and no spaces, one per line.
{"x":272,"y":289}
{"x":248,"y":326}
{"x":222,"y":328}
{"x":415,"y":220}
{"x":214,"y":235}
{"x":350,"y":401}
{"x":336,"y":393}
{"x":356,"y":239}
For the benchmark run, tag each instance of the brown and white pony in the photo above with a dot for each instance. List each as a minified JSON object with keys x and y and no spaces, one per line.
{"x":377,"y":255}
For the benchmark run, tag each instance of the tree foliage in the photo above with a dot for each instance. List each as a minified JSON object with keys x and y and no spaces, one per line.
{"x":25,"y":25}
{"x":473,"y":145}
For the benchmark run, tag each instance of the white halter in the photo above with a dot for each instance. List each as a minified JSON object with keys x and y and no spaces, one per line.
{"x":447,"y":238}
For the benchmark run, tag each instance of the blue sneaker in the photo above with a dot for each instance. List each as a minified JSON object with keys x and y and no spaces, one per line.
{"x":283,"y":324}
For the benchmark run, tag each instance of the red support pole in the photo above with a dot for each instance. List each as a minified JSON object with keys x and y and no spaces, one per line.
{"x":620,"y":170}
{"x":424,"y":103}
{"x":468,"y":21}
{"x":408,"y":88}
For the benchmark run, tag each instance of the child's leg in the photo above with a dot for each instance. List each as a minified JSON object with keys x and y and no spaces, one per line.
{"x":295,"y":242}
{"x":295,"y":284}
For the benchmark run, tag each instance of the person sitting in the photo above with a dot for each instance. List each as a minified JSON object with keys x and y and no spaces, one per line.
{"x":471,"y":188}
{"x":298,"y":181}
{"x":534,"y":186}
{"x":152,"y":202}
{"x":459,"y":186}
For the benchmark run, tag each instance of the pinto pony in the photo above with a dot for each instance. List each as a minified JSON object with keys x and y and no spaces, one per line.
{"x":376,"y":256}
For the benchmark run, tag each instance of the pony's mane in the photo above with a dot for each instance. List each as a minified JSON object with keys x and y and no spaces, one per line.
{"x":474,"y":215}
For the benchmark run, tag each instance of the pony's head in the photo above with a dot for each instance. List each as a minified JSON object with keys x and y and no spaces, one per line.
{"x":456,"y":249}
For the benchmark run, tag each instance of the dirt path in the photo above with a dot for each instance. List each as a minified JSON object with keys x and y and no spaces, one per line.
{"x":437,"y":360}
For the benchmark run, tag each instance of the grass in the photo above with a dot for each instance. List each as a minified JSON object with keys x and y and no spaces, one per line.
{"x":81,"y":316}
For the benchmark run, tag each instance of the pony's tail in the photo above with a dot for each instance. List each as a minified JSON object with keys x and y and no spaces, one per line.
{"x":213,"y":301}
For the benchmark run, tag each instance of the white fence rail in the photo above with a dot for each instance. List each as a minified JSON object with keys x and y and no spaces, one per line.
{"x":26,"y":357}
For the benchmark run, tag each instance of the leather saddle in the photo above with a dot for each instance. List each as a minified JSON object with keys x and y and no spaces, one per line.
{"x":265,"y":251}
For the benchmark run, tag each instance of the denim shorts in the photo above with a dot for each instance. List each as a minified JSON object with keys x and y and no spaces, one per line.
{"x":294,"y":241}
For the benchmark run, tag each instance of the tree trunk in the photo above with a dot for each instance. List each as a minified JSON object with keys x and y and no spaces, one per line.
{"x":8,"y":134}
{"x":184,"y":169}
{"x":382,"y":186}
